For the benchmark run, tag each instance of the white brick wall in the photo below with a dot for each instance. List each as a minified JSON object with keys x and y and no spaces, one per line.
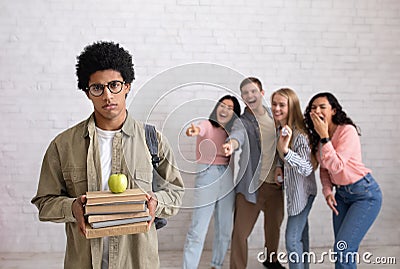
{"x":349,"y":47}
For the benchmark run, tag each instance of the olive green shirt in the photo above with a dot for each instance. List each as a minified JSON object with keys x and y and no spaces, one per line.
{"x":71,"y":167}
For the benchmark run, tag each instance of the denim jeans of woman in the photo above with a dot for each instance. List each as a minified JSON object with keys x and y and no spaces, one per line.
{"x":358,"y":205}
{"x":214,"y":194}
{"x":297,"y":240}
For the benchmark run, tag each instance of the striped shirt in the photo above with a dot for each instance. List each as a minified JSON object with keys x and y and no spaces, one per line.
{"x":299,"y":178}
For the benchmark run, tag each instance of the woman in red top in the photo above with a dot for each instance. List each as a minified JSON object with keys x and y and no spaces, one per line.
{"x":357,"y":201}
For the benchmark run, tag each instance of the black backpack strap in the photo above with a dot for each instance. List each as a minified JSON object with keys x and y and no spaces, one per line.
{"x":152,"y":144}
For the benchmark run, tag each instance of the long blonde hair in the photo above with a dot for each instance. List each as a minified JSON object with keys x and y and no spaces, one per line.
{"x":295,"y":116}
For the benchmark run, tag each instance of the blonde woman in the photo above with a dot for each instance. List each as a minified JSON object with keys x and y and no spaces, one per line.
{"x":296,"y":170}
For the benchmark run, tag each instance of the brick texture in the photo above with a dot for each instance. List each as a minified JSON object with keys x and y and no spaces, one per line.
{"x":349,"y":47}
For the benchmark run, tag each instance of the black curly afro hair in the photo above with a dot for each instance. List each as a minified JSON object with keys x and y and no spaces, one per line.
{"x":103,"y":56}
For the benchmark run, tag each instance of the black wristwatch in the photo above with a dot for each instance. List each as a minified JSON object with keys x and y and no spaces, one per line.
{"x":324,"y":140}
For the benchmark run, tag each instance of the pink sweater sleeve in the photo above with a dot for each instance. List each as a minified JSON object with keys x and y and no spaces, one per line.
{"x":326,"y":182}
{"x":347,"y":145}
{"x":340,"y":159}
{"x":204,"y":126}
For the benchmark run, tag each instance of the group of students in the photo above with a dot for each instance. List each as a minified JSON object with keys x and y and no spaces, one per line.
{"x":110,"y":141}
{"x":279,"y":146}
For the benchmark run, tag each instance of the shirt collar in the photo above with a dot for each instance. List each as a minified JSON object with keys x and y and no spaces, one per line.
{"x":127,"y":127}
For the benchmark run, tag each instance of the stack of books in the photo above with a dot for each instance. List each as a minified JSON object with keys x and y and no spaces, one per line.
{"x":110,"y":214}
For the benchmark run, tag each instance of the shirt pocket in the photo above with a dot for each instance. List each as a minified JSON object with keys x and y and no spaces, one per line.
{"x":75,"y":181}
{"x":143,"y":179}
{"x":359,"y":188}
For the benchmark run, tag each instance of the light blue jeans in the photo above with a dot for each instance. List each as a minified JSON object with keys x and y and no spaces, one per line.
{"x":214,"y":194}
{"x":297,"y":240}
{"x":358,"y":205}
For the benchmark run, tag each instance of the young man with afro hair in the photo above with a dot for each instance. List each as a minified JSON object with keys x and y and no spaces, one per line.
{"x":83,"y":157}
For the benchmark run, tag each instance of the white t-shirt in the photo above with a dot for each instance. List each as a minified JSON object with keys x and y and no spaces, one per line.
{"x":105,"y":142}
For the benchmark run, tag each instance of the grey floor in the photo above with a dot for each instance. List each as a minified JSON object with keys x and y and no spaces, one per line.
{"x":173,"y":259}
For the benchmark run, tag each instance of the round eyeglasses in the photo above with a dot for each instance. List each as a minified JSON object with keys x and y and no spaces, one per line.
{"x":114,"y":86}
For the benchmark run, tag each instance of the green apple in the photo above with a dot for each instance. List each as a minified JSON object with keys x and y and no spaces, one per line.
{"x":117,"y":183}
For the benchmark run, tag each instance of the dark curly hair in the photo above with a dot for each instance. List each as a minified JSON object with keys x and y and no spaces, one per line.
{"x":100,"y":56}
{"x":340,"y":118}
{"x":236,"y":112}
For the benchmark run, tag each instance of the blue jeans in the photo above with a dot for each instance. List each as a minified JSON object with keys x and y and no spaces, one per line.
{"x":358,"y":205}
{"x":297,"y":240}
{"x":213,"y":194}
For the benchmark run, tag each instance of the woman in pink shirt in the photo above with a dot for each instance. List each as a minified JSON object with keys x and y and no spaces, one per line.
{"x":214,"y":188}
{"x":357,"y":200}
